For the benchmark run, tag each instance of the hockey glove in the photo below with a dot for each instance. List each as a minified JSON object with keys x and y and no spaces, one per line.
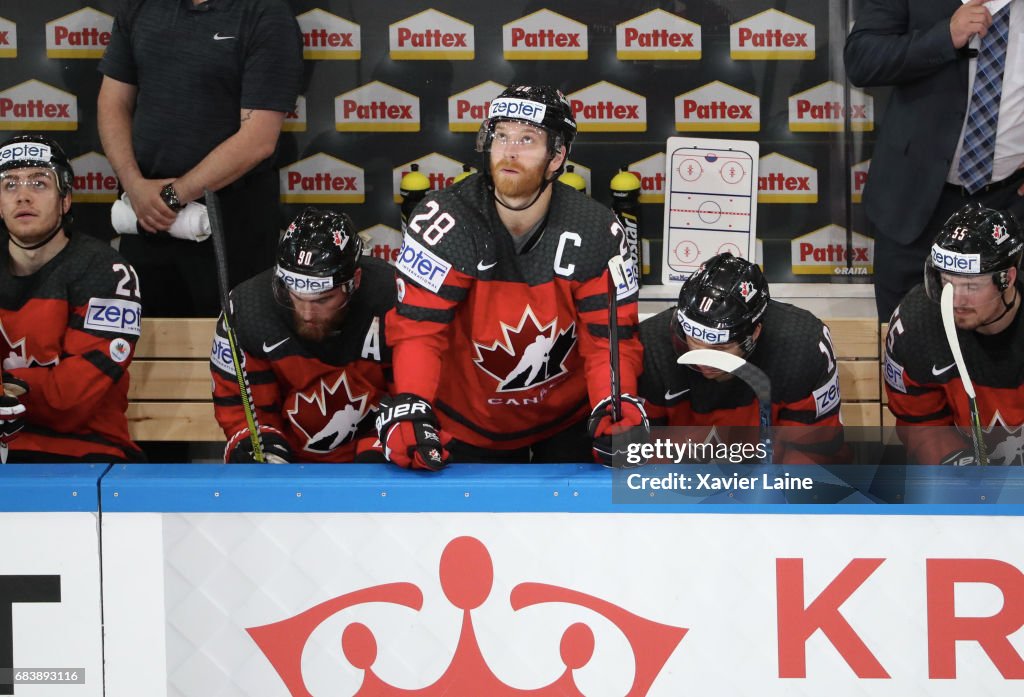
{"x":11,"y":408}
{"x":276,"y":450}
{"x":960,"y":458}
{"x":407,"y":427}
{"x":632,"y":428}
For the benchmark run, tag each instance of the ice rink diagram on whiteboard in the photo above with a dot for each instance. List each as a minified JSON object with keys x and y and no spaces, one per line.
{"x":710,"y":202}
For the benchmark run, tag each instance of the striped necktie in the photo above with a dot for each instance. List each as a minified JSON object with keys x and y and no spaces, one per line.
{"x":980,"y":135}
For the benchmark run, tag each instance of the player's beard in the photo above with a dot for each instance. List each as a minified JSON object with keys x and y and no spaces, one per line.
{"x":526,"y":183}
{"x":317,"y":330}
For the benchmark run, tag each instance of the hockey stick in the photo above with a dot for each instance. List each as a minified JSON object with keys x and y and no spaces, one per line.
{"x":237,"y":357}
{"x":754,"y":377}
{"x":616,"y":278}
{"x":978,"y":438}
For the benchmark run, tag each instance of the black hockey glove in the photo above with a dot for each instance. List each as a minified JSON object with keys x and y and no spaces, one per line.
{"x":409,"y":431}
{"x":960,"y":458}
{"x":276,"y":450}
{"x":11,"y":408}
{"x":632,"y":428}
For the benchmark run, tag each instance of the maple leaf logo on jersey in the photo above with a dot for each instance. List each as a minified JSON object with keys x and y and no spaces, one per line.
{"x":309,"y":414}
{"x":14,"y":354}
{"x":529,"y":354}
{"x":1009,"y":450}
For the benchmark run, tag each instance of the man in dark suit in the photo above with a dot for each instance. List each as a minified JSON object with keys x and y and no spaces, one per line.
{"x":929,"y":52}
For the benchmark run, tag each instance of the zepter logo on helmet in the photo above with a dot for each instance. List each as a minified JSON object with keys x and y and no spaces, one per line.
{"x":318,"y":252}
{"x":540,"y":105}
{"x":38,"y":151}
{"x":974,"y":241}
{"x":722,"y":303}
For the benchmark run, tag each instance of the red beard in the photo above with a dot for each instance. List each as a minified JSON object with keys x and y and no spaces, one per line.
{"x":525,"y":182}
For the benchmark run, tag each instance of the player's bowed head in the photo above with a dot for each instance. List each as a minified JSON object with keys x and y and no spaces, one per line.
{"x":317,"y":271}
{"x":522,"y":122}
{"x":978,"y":251}
{"x":720,"y":308}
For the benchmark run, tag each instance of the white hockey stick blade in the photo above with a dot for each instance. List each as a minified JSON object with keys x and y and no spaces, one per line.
{"x":616,"y":266}
{"x":719,"y":360}
{"x":946,"y":307}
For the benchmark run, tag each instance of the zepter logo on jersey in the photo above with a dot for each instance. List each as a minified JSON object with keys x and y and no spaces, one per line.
{"x":954,"y":262}
{"x":701,"y":333}
{"x":303,"y":284}
{"x":109,"y":315}
{"x":528,"y":354}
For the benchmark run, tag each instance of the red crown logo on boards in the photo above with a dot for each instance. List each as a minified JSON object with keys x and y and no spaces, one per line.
{"x":467,"y":576}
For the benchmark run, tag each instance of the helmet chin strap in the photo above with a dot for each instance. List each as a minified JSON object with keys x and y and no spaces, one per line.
{"x":37,"y":245}
{"x":1007,"y":306}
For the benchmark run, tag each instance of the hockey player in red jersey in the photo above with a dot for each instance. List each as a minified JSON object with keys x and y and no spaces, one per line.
{"x":726,"y":306}
{"x":311,"y":334}
{"x":70,"y":315}
{"x":979,"y":252}
{"x":501,"y":331}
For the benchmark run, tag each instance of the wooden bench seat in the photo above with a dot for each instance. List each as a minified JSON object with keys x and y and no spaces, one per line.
{"x":170,"y":397}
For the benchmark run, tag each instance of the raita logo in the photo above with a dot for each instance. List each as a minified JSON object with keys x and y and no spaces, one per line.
{"x":467,"y":580}
{"x":81,"y":34}
{"x":329,"y":37}
{"x":379,"y":107}
{"x":544,"y":35}
{"x":110,"y":315}
{"x":658,"y":35}
{"x":467,"y":109}
{"x":771,"y":35}
{"x":431,"y":35}
{"x":528,"y":354}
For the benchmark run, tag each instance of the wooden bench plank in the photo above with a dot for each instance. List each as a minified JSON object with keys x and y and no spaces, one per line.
{"x":184,"y":421}
{"x":169,"y":380}
{"x":858,"y":381}
{"x":861,"y":414}
{"x":854,"y":337}
{"x":176,"y":338}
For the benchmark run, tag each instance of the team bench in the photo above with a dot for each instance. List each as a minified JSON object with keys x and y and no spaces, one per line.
{"x":170,"y":396}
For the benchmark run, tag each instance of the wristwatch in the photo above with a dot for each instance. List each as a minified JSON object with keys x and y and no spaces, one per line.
{"x":170,"y":197}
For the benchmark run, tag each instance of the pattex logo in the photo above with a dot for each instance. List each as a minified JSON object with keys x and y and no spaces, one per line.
{"x":784,"y":180}
{"x":8,"y":38}
{"x":329,"y":37}
{"x":607,"y":107}
{"x":34,"y":105}
{"x":82,"y":34}
{"x":544,"y":35}
{"x":658,"y":35}
{"x":377,"y":107}
{"x":321,"y":178}
{"x":717,"y":107}
{"x":823,"y":108}
{"x":771,"y":35}
{"x":431,"y":35}
{"x":467,"y":109}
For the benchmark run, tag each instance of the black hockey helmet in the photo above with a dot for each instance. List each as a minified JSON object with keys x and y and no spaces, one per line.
{"x":722,"y":303}
{"x":38,"y":151}
{"x":975,"y":241}
{"x":319,"y":251}
{"x":538,"y":105}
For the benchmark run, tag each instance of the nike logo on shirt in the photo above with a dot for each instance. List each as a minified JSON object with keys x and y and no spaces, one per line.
{"x":268,"y":349}
{"x":218,"y":37}
{"x":484,"y":267}
{"x":673,"y":395}
{"x":939,"y":371}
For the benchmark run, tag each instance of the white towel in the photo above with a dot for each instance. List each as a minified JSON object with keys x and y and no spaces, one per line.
{"x":192,"y":222}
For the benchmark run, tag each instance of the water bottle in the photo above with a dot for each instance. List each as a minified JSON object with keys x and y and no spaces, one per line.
{"x":413,"y":187}
{"x":572,"y":179}
{"x":625,"y":188}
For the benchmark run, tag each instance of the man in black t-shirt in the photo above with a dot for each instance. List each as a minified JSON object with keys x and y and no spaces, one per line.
{"x":193,"y":97}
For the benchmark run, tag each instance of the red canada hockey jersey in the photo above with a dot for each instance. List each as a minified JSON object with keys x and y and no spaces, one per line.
{"x":510,"y":347}
{"x":69,"y":331}
{"x":927,"y":395}
{"x":322,"y":397}
{"x":795,"y":352}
